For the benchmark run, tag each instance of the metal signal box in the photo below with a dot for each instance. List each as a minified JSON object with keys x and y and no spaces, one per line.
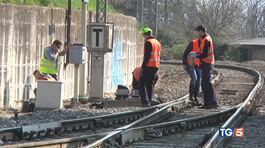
{"x":77,"y":54}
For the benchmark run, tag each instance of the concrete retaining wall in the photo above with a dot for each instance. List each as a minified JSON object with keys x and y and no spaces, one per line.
{"x":25,"y":31}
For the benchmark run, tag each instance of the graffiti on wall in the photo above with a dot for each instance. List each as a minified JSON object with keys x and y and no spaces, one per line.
{"x":117,"y":59}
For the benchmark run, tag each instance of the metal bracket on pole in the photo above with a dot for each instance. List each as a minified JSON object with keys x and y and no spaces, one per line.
{"x":101,"y":11}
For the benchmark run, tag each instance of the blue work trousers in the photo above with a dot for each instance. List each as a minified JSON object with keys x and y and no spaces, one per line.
{"x":195,"y":82}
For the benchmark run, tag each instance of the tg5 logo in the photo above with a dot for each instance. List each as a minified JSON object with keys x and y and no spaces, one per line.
{"x":229,"y":132}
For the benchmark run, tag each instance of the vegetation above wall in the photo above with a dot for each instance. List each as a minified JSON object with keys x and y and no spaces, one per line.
{"x":76,"y":4}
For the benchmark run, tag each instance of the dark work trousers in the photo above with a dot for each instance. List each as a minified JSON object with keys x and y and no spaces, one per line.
{"x":146,"y":84}
{"x":207,"y":86}
{"x":195,"y":82}
{"x":135,"y":84}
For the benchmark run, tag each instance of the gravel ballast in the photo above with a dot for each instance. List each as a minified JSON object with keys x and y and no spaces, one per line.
{"x":173,"y":83}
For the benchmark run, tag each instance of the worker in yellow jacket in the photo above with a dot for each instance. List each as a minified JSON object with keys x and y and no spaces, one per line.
{"x":49,"y":58}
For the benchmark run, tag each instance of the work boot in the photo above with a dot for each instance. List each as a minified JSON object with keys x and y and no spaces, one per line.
{"x":190,"y":102}
{"x":196,"y":102}
{"x":210,"y":106}
{"x":204,"y":107}
{"x":149,"y":104}
{"x":191,"y":98}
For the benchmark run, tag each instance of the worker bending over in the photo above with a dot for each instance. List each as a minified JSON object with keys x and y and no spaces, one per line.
{"x":206,"y":57}
{"x":49,"y":58}
{"x":192,"y":65}
{"x":150,"y":65}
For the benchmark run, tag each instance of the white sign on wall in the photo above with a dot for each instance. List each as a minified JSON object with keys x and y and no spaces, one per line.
{"x":100,"y":37}
{"x":97,"y":37}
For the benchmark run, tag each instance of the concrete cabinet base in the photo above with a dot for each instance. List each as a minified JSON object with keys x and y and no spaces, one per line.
{"x":49,"y":95}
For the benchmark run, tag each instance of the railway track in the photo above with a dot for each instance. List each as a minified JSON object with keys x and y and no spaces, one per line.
{"x":181,"y":129}
{"x":79,"y":132}
{"x":84,"y":131}
{"x":96,"y":127}
{"x":198,"y":130}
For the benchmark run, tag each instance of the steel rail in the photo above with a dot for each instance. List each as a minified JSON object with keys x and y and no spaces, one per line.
{"x":145,"y":120}
{"x":145,"y":116}
{"x":242,"y":111}
{"x":29,"y":132}
{"x":177,"y":126}
{"x":32,"y":131}
{"x":128,"y":134}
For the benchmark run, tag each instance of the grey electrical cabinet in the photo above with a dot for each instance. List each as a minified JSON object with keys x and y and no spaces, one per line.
{"x":77,"y":54}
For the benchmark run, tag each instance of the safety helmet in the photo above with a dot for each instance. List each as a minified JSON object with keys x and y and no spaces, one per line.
{"x":147,"y":29}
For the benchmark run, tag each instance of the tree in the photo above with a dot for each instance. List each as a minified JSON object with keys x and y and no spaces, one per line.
{"x":225,"y":20}
{"x":253,"y":22}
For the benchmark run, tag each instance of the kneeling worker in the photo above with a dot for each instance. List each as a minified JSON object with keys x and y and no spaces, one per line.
{"x":136,"y":78}
{"x":39,"y":76}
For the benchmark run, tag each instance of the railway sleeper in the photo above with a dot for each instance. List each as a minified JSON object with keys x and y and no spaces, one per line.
{"x":10,"y":136}
{"x":173,"y":127}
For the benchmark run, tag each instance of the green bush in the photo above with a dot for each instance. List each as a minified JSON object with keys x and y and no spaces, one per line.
{"x":173,"y":44}
{"x":173,"y":52}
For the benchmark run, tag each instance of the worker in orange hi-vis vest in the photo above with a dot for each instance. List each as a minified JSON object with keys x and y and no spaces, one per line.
{"x":207,"y":63}
{"x":192,"y":65}
{"x":149,"y":68}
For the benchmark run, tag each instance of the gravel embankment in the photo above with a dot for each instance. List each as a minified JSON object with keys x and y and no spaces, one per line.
{"x":172,"y":84}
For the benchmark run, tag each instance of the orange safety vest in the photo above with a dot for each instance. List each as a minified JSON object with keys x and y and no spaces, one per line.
{"x":210,"y":58}
{"x":136,"y":73}
{"x":154,"y":60}
{"x":195,"y":48}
